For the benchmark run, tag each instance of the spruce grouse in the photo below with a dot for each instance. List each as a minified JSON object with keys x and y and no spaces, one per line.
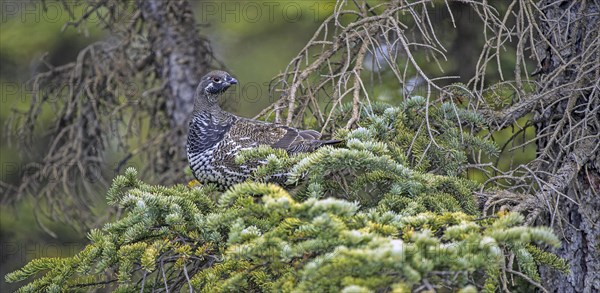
{"x":215,"y":137}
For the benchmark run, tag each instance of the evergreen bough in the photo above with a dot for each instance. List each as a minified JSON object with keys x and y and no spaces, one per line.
{"x":386,"y":212}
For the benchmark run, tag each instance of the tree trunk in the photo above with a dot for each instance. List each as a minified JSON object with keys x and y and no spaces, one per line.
{"x":570,"y":140}
{"x":181,"y":52}
{"x":182,"y":57}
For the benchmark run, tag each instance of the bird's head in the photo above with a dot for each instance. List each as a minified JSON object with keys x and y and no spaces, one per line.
{"x":216,"y":82}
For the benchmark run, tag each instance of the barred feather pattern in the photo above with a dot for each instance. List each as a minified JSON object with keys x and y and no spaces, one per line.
{"x":216,"y":137}
{"x":213,"y":146}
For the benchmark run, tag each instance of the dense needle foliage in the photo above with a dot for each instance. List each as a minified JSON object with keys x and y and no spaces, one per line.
{"x":385,"y":212}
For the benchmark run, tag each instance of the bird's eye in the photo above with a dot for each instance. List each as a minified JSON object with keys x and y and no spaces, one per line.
{"x":216,"y":79}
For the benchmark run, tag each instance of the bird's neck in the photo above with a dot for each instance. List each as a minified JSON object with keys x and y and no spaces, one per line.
{"x":208,"y":105}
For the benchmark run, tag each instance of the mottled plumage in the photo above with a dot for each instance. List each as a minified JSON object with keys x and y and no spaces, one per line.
{"x":215,"y":136}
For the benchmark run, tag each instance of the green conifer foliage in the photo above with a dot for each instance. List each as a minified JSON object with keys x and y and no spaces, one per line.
{"x":369,"y":216}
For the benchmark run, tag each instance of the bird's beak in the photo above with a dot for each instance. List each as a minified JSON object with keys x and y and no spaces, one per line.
{"x":232,"y":80}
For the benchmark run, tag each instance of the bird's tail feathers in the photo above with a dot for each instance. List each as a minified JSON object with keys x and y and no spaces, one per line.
{"x":331,"y":142}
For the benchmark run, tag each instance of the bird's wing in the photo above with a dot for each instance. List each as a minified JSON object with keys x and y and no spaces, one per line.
{"x":251,"y":133}
{"x":294,"y":137}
